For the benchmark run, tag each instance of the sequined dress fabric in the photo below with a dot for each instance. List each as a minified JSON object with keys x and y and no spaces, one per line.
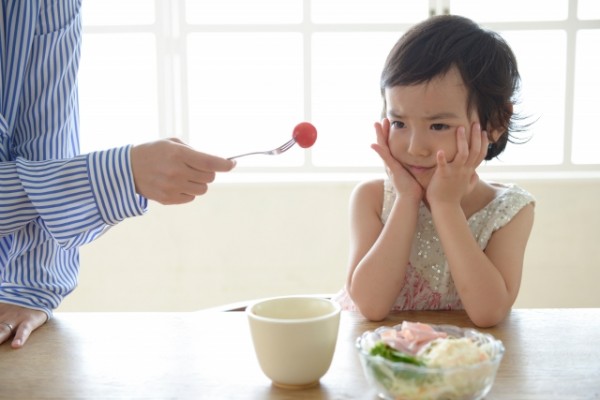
{"x":428,"y":284}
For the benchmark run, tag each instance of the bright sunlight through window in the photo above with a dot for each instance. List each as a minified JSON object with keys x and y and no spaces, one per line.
{"x":233,"y":76}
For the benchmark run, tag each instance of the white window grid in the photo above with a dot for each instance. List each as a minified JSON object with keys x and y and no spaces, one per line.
{"x":170,"y":28}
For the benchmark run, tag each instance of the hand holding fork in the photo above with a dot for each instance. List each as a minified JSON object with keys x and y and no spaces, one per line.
{"x":305,"y":134}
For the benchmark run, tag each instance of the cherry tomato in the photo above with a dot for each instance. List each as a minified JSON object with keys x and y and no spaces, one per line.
{"x":305,"y":134}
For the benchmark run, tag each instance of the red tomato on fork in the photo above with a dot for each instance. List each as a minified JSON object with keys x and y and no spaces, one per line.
{"x":305,"y":134}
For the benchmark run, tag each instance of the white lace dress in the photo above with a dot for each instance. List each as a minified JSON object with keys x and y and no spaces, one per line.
{"x":428,"y":284}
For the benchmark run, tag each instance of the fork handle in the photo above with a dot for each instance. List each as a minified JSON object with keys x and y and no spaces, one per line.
{"x":246,"y":154}
{"x":284,"y":147}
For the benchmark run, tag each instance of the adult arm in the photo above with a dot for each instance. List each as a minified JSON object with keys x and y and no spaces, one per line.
{"x":46,"y":207}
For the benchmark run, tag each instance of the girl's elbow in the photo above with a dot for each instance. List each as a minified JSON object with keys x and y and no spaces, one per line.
{"x":488,"y":319}
{"x":368,"y":304}
{"x":484,"y":323}
{"x":373,"y":313}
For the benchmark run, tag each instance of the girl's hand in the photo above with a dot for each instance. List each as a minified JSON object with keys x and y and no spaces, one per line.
{"x":404,"y":183}
{"x":455,"y":179}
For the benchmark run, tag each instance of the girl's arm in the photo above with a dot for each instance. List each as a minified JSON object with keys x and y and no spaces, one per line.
{"x":378,"y":253}
{"x":487,"y":281}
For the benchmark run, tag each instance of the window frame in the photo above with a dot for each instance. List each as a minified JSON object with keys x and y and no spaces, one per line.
{"x":171,"y":30}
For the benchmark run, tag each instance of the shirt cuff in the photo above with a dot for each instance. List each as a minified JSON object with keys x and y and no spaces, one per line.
{"x":111,"y":177}
{"x":29,"y":297}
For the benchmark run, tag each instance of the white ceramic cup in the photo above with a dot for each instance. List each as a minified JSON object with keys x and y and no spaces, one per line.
{"x":294,"y":338}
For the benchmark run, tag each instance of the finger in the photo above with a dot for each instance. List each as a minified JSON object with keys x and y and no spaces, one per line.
{"x":382,"y":131}
{"x":207,"y":162}
{"x":201,"y":177}
{"x":177,"y":140}
{"x":176,"y":190}
{"x":23,"y":322}
{"x":385,"y":123}
{"x":381,"y":151}
{"x":379,"y":135}
{"x":440,"y":157}
{"x":380,"y":147}
{"x":485,"y":142}
{"x":179,"y":198}
{"x":462,"y":146}
{"x":385,"y":155}
{"x":25,"y":328}
{"x":22,"y":334}
{"x":195,"y":189}
{"x":475,"y":148}
{"x":5,"y":333}
{"x":195,"y":184}
{"x":173,"y":193}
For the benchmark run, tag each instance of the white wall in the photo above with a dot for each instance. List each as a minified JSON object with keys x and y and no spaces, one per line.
{"x":244,"y":241}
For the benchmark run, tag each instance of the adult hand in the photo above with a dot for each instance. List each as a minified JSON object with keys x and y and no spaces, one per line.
{"x":454,"y":179}
{"x":402,"y":180}
{"x":171,"y":172}
{"x":19,"y":322}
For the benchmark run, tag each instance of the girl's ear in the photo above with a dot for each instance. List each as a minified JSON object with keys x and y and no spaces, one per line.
{"x":498,"y":132}
{"x":494,"y":133}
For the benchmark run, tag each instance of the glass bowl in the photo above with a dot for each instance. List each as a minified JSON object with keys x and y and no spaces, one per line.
{"x":395,"y":380}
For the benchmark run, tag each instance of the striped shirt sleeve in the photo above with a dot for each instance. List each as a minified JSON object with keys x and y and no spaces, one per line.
{"x":52,"y":200}
{"x":63,"y":204}
{"x":79,"y":198}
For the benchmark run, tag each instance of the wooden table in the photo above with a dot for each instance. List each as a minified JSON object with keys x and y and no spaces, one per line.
{"x":550,"y":354}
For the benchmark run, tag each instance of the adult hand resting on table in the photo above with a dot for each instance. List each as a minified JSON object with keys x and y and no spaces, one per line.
{"x":20,"y":322}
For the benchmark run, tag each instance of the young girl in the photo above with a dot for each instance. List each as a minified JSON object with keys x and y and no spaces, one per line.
{"x":433,"y":235}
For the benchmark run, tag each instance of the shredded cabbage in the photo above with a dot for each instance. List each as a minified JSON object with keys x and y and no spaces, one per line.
{"x":440,"y":370}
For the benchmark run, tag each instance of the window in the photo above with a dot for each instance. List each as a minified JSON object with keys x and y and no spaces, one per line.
{"x":232,"y":76}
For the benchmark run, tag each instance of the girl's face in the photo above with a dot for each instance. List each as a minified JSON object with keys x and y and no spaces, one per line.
{"x":424,"y":119}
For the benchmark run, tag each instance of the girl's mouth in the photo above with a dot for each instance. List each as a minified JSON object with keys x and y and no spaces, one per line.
{"x":418,"y":170}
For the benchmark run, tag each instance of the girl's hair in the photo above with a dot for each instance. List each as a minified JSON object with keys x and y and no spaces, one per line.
{"x":486,"y":64}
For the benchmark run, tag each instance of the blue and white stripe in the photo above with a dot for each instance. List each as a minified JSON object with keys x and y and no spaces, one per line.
{"x":52,"y":200}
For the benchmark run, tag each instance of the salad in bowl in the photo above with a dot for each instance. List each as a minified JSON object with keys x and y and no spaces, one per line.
{"x":420,"y":361}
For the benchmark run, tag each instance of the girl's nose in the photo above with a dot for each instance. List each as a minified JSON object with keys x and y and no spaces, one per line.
{"x":418,"y":144}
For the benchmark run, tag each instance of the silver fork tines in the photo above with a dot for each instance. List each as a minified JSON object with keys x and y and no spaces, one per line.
{"x":279,"y":150}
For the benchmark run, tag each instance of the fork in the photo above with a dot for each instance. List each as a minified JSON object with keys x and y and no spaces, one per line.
{"x":284,"y":147}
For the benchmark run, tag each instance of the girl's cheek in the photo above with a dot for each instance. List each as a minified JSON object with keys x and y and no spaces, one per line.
{"x":395,"y":145}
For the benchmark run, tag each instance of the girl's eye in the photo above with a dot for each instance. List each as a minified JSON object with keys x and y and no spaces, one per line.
{"x":397,"y":124}
{"x":439,"y":127}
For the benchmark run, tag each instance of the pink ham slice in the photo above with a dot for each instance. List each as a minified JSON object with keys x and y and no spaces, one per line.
{"x":411,"y":336}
